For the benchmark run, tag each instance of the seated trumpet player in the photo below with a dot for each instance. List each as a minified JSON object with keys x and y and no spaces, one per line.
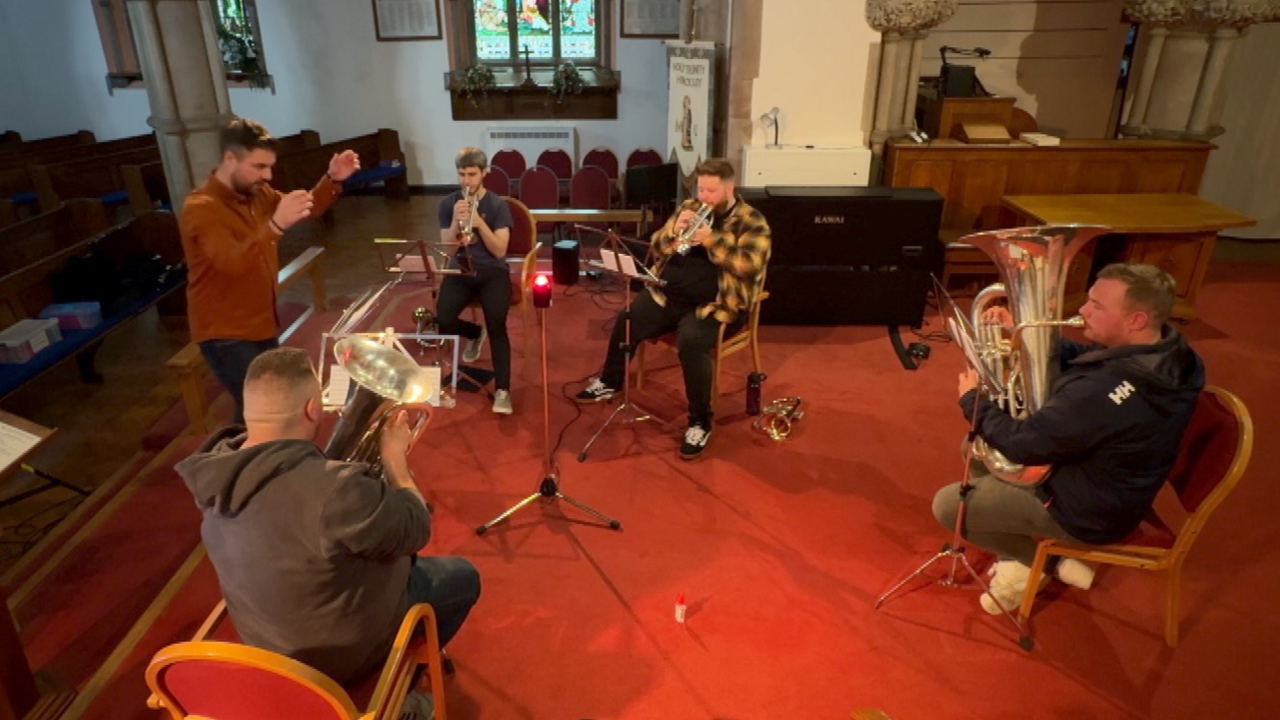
{"x":1110,"y":429}
{"x":710,"y":254}
{"x":316,"y":558}
{"x":479,"y":222}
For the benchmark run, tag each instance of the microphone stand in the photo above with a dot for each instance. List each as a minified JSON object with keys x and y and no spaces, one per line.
{"x":548,"y":488}
{"x":633,"y":413}
{"x":954,"y":550}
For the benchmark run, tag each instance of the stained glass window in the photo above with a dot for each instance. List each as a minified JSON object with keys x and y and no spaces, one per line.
{"x":237,"y":26}
{"x":550,"y":30}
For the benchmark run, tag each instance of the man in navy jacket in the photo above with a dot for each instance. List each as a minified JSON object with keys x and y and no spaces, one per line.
{"x":1110,"y":430}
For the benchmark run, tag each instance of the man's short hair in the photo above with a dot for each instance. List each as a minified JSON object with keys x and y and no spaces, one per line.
{"x":289,"y":366}
{"x":1147,"y":288}
{"x":242,"y":135}
{"x":715,"y":167}
{"x":471,"y":157}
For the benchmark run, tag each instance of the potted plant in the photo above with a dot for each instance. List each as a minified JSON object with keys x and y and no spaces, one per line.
{"x":565,"y":80}
{"x":477,"y":81}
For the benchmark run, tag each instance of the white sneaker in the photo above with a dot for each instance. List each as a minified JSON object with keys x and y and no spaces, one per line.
{"x":418,"y":706}
{"x":502,"y":402}
{"x":1007,"y":587}
{"x":1075,"y":573}
{"x":471,"y":352}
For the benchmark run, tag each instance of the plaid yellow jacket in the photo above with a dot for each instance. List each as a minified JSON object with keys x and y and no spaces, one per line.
{"x":741,"y":246}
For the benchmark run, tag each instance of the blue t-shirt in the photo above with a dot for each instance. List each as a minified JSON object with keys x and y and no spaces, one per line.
{"x":496,"y":214}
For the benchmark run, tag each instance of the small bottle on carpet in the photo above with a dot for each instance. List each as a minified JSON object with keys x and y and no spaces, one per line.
{"x":680,"y":608}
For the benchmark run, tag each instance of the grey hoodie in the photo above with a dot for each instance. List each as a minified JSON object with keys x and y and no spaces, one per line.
{"x":312,"y":555}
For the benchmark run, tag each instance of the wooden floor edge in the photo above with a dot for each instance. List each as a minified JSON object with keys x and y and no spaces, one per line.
{"x":51,"y":706}
{"x":103,"y":675}
{"x":104,"y":512}
{"x":68,"y":522}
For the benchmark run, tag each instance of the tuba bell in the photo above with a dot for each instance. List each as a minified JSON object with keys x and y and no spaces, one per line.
{"x":1018,"y":372}
{"x":386,"y":382}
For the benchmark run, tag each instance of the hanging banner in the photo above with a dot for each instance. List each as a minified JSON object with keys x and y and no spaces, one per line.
{"x":690,"y":91}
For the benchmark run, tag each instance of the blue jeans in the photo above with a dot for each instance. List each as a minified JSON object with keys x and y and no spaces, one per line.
{"x":451,"y":585}
{"x":229,"y":360}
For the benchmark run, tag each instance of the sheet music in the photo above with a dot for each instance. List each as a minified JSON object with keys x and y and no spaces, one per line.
{"x":412,"y":263}
{"x":436,"y":269}
{"x":610,"y":259}
{"x":14,"y":443}
{"x":339,"y":385}
{"x":627,"y":265}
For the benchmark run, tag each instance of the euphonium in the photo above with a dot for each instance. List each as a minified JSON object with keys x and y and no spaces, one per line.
{"x":1018,"y":373}
{"x":386,"y":382}
{"x":684,"y":241}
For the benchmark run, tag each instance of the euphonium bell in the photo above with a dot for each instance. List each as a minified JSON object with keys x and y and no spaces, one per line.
{"x":1018,"y":373}
{"x":386,"y":381}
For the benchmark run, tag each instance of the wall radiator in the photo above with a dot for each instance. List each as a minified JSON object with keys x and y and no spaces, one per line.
{"x":531,"y":141}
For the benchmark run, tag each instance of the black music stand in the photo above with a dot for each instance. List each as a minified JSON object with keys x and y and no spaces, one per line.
{"x":653,"y":189}
{"x":622,"y":254}
{"x":549,"y":487}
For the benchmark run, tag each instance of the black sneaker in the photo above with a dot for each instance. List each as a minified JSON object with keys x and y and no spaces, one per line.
{"x":595,"y":391}
{"x":695,"y":440}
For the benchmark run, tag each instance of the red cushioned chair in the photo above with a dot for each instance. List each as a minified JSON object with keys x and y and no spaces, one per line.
{"x":643,"y":156}
{"x":214,"y":680}
{"x":512,"y":163}
{"x":539,"y":189}
{"x":497,"y":181}
{"x":1214,"y":454}
{"x":603,"y":158}
{"x":558,"y":162}
{"x":590,"y":191}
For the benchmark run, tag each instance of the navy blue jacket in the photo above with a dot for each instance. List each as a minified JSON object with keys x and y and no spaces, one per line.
{"x":1111,"y":430}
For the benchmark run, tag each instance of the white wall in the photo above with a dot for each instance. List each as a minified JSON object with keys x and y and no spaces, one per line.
{"x":814,"y":69}
{"x":331,"y":75}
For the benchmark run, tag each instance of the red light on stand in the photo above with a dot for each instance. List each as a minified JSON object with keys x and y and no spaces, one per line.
{"x":541,"y":291}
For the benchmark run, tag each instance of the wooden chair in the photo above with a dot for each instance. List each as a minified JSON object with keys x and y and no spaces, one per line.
{"x":213,"y":680}
{"x":512,"y":163}
{"x":1214,"y":454}
{"x":746,"y":337}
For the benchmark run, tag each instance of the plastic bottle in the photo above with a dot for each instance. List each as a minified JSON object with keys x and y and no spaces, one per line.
{"x":681,"y":608}
{"x":754,"y":380}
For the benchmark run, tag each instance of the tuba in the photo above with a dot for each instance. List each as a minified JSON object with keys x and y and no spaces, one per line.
{"x":386,"y":382}
{"x":1018,"y":372}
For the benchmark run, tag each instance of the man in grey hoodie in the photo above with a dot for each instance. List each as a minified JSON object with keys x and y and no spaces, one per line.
{"x":316,"y":558}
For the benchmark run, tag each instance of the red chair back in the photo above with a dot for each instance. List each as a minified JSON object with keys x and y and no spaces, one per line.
{"x":558,"y":161}
{"x":603,"y":158}
{"x":523,"y":229}
{"x":590,"y":189}
{"x":642,"y":157}
{"x":1208,"y":451}
{"x":539,"y":189}
{"x":511,"y":162}
{"x":497,"y":181}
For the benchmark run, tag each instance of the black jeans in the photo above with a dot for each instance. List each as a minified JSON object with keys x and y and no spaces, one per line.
{"x":229,"y":360}
{"x":494,"y":288}
{"x":694,"y":341}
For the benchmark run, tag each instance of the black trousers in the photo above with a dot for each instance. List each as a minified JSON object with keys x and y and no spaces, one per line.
{"x":694,"y":341}
{"x":229,"y":361}
{"x":493,"y":286}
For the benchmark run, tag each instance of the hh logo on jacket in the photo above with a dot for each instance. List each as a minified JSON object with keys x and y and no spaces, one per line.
{"x":1122,"y":392}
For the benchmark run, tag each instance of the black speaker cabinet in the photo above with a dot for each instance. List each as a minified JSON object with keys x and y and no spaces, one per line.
{"x":564,"y":262}
{"x":957,"y":81}
{"x":850,"y":256}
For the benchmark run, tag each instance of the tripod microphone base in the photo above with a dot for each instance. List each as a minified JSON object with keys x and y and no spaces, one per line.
{"x":549,"y":490}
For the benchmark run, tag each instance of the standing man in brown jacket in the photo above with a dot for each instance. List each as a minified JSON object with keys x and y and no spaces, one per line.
{"x":231,"y":228}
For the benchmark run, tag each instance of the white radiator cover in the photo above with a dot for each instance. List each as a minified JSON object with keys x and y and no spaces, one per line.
{"x":531,"y":141}
{"x":805,"y":166}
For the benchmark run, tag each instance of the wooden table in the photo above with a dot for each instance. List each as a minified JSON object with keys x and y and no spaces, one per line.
{"x":1173,"y":231}
{"x":585,"y":216}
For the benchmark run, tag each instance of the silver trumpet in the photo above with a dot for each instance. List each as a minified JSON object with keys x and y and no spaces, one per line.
{"x":465,"y":231}
{"x":386,"y":382}
{"x":684,"y":241}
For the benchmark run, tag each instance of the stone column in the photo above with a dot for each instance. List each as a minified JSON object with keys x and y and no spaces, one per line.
{"x":904,"y":24}
{"x":1186,"y":58}
{"x":186,"y":86}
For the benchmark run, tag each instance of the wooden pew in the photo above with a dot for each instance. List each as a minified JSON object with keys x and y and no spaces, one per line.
{"x":189,"y":366}
{"x":30,"y":147}
{"x":95,"y":177}
{"x":17,"y":188}
{"x":69,"y":225}
{"x":381,"y":160}
{"x":25,"y":292}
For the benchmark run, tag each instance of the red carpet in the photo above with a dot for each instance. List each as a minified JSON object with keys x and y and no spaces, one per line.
{"x":782,"y":548}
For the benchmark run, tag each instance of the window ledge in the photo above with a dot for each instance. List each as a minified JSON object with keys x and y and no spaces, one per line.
{"x":513,"y":99}
{"x":134,"y":81}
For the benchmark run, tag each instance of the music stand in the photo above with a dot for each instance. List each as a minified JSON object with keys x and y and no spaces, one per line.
{"x":653,"y":189}
{"x":618,"y":260}
{"x":549,"y":487}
